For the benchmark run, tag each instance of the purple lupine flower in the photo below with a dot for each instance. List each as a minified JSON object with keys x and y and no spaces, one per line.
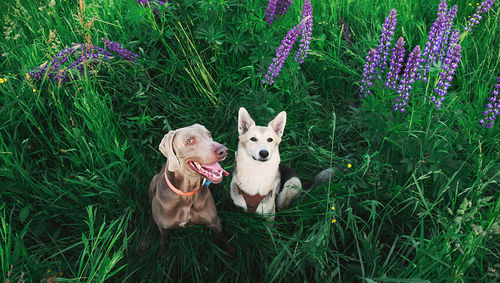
{"x":454,"y":37}
{"x":282,"y":52}
{"x":116,"y":47}
{"x":282,"y":7}
{"x":276,"y":7}
{"x":150,"y":3}
{"x":90,"y":55}
{"x":55,"y":65}
{"x":345,"y":31}
{"x":397,"y":57}
{"x":446,"y":75}
{"x":368,"y":71}
{"x":271,"y":11}
{"x":493,"y":107}
{"x":407,"y":79}
{"x":442,"y":7}
{"x":434,"y":43}
{"x":450,"y":16}
{"x":306,"y":32}
{"x":385,"y":40}
{"x":482,"y":8}
{"x":79,"y":58}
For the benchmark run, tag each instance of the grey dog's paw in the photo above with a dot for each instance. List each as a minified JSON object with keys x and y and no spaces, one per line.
{"x":230,"y":249}
{"x":142,"y":247}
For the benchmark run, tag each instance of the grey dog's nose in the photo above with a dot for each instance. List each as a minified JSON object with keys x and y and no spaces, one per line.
{"x":221,"y":151}
{"x":264,"y":153}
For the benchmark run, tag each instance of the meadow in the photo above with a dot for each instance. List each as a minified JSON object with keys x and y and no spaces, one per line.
{"x":415,"y":197}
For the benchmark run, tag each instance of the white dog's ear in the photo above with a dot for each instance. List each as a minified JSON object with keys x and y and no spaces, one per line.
{"x":244,"y":121}
{"x":167,"y":148}
{"x":278,"y":124}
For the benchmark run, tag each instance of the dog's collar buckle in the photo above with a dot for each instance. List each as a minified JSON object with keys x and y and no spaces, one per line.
{"x":177,"y":191}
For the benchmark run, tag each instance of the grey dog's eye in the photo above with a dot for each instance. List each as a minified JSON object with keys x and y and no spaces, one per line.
{"x":253,"y":139}
{"x":269,"y":139}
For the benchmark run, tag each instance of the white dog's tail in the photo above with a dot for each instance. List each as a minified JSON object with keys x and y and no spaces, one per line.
{"x":322,"y":177}
{"x":291,"y":185}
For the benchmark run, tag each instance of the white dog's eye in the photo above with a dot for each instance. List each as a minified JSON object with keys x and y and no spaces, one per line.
{"x":253,"y":139}
{"x":209,"y":134}
{"x":269,"y":139}
{"x":190,"y":141}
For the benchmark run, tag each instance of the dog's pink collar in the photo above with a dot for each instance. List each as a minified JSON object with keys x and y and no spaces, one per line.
{"x":177,"y":191}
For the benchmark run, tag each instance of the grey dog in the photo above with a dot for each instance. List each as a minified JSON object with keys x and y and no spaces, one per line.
{"x":178,"y":195}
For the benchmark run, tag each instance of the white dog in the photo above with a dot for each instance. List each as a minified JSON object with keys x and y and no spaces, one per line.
{"x":260,"y":182}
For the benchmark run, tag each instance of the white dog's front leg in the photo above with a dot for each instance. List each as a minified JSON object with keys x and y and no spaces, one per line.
{"x":266,"y":206}
{"x":236,"y":196}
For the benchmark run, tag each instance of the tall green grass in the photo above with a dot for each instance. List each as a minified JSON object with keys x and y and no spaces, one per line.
{"x":419,"y":203}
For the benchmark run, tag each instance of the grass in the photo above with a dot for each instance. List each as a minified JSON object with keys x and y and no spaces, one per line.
{"x":420,"y":202}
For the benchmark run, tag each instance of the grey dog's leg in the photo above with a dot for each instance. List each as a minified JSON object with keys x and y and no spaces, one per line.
{"x":145,"y":243}
{"x":221,"y":237}
{"x":163,"y":246}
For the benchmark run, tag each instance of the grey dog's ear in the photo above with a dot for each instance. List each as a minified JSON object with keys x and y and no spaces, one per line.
{"x":278,"y":124}
{"x":244,"y":121}
{"x":167,"y":148}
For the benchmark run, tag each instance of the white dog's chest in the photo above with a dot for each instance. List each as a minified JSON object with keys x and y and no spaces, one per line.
{"x":258,"y":181}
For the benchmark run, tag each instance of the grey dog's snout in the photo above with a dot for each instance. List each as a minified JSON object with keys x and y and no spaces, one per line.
{"x":221,"y":151}
{"x":263,"y":153}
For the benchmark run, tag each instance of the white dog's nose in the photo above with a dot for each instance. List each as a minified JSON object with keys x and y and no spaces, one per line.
{"x":264,"y":153}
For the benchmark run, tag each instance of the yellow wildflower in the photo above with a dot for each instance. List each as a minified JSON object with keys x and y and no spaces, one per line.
{"x":333,"y":207}
{"x":334,"y":220}
{"x":349,"y":165}
{"x":34,"y":90}
{"x":2,"y":80}
{"x":27,"y":76}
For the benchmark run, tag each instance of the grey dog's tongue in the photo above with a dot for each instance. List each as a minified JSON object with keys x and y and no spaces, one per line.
{"x":215,"y":167}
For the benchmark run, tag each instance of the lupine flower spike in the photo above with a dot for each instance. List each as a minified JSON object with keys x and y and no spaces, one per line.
{"x":434,"y":40}
{"x":407,"y":79}
{"x":276,"y":7}
{"x":149,"y":3}
{"x":282,"y":6}
{"x":397,"y":57}
{"x":115,"y":47}
{"x":450,"y":65}
{"x":442,"y":8}
{"x":78,"y":57}
{"x":450,"y":16}
{"x":368,"y":71}
{"x":493,"y":107}
{"x":385,"y":40}
{"x":378,"y":58}
{"x":345,"y":31}
{"x":271,"y":11}
{"x":482,"y":8}
{"x":282,"y":52}
{"x":306,"y":32}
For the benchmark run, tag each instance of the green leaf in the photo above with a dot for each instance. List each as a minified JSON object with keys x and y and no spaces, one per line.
{"x":24,"y":213}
